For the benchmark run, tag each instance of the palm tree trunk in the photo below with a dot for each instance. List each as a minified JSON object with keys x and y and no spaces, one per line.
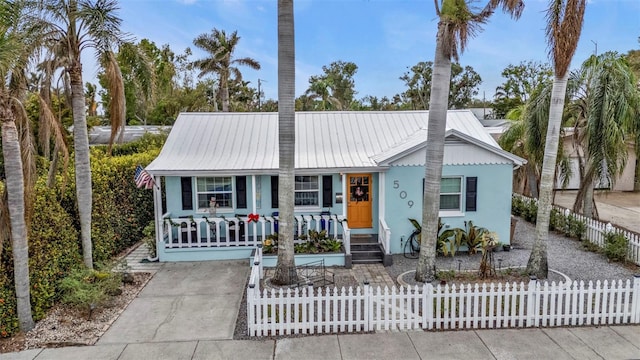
{"x":588,"y":200}
{"x":425,"y":270}
{"x":224,"y":82}
{"x":285,"y":268}
{"x":538,"y":264}
{"x":16,"y":207}
{"x":83,"y":165}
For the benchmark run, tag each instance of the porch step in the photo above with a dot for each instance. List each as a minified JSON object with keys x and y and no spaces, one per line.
{"x":366,"y":252}
{"x":364,"y":239}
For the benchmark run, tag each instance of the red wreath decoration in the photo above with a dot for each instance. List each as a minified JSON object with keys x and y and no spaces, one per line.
{"x":254,"y":217}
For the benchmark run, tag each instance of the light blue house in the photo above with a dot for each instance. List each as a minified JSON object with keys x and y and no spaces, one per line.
{"x":217,"y":193}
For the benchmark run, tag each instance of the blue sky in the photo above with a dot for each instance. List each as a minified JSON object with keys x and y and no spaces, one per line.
{"x":383,"y":37}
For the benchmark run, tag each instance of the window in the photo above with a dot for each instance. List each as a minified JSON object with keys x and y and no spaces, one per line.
{"x":307,"y":191}
{"x":220,"y":188}
{"x":450,"y":193}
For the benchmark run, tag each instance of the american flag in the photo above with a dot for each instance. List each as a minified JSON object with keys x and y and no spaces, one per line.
{"x":142,"y":178}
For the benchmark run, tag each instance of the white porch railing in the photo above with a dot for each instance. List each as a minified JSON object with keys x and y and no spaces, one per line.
{"x":511,"y":305}
{"x":384,"y":236}
{"x":221,"y":231}
{"x":596,"y":230}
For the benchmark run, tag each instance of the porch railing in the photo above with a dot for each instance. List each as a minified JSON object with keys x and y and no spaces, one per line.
{"x":221,"y":231}
{"x":384,"y":236}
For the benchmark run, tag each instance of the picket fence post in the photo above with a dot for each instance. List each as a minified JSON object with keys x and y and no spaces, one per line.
{"x":635,"y":300}
{"x":368,"y":307}
{"x":250,"y":309}
{"x":531,"y":301}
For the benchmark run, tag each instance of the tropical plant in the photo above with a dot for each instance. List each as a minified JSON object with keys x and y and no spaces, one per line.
{"x":88,"y":289}
{"x":616,"y":246}
{"x":606,"y":105}
{"x":335,"y":89}
{"x":17,"y":44}
{"x":457,"y":22}
{"x":564,"y":24}
{"x":286,"y":143}
{"x":74,"y":26}
{"x":221,"y":62}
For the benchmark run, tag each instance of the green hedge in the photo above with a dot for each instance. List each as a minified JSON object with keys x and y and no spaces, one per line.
{"x":53,"y":251}
{"x":120,"y":213}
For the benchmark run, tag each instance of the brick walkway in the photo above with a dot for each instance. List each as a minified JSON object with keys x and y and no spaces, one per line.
{"x":137,"y":260}
{"x":376,"y":274}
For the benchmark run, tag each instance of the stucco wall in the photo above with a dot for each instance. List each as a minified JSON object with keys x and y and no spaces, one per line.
{"x":403,"y":186}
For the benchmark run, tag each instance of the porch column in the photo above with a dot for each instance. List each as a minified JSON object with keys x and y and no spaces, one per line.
{"x":157,"y":208}
{"x":254,"y":208}
{"x":381,"y":196}
{"x":344,"y":195}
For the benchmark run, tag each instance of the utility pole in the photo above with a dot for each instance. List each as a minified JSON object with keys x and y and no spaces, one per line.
{"x":596,"y":44}
{"x":259,"y":93}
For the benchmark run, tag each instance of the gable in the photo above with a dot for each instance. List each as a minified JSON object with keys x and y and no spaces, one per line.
{"x":455,"y":153}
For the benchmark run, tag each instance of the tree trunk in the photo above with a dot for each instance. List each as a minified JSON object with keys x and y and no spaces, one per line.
{"x":588,"y":200}
{"x":224,"y":85}
{"x":285,"y":273}
{"x":83,"y":165}
{"x":537,"y":264}
{"x":16,"y":207}
{"x":532,"y":180}
{"x":425,"y":270}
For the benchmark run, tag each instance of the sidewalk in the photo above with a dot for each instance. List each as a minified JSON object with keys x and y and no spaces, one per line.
{"x":614,"y":342}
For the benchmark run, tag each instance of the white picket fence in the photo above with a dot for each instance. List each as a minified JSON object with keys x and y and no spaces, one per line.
{"x":596,"y":231}
{"x":309,"y":310}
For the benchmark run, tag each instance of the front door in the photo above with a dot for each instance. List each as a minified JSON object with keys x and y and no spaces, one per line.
{"x":359,"y":201}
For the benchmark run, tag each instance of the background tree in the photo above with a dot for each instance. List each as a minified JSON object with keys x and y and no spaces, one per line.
{"x":564,"y":25}
{"x":521,"y":82}
{"x":604,"y":104}
{"x":335,"y":89}
{"x":457,"y":22}
{"x":76,"y":26}
{"x":285,"y":268}
{"x":221,"y":62}
{"x":464,"y":85}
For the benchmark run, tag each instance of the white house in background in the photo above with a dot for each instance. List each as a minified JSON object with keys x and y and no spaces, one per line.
{"x":357,"y":174}
{"x":623,"y":182}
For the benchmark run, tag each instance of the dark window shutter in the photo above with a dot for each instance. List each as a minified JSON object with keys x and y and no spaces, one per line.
{"x":241,"y":192}
{"x":327,"y":191}
{"x":472,"y":193}
{"x":274,"y":192}
{"x":187,"y":193}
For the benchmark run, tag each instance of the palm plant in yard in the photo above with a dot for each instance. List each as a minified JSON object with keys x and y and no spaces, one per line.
{"x":76,"y":26}
{"x":605,"y":108}
{"x":457,"y":22}
{"x":285,"y":268}
{"x":221,"y":62}
{"x":564,"y":25}
{"x":17,"y":40}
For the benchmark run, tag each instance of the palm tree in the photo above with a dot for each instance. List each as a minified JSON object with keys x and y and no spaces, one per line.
{"x":75,"y":26}
{"x":285,"y":268}
{"x":605,"y":105}
{"x":457,"y":23}
{"x":564,"y":25}
{"x":221,"y":62}
{"x":16,"y":47}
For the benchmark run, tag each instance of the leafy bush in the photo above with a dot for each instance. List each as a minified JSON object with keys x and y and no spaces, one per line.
{"x":53,"y":251}
{"x":88,"y":289}
{"x":149,"y":239}
{"x":316,"y":242}
{"x":574,"y":228}
{"x":616,"y":246}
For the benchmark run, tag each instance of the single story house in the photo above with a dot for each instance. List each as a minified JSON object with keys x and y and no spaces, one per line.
{"x":358,"y":175}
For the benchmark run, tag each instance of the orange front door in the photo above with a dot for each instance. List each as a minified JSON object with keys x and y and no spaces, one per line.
{"x":359,"y":201}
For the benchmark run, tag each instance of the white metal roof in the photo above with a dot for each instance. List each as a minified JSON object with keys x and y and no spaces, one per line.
{"x":247,"y":143}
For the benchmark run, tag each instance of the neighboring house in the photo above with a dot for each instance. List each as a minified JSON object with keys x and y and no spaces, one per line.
{"x":218,"y":170}
{"x":623,"y":182}
{"x":100,"y":135}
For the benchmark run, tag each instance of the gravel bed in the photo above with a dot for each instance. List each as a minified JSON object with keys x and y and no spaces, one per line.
{"x":565,"y":255}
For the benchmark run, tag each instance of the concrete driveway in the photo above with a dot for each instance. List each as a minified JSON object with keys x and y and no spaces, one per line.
{"x":184,"y":302}
{"x":617,"y":207}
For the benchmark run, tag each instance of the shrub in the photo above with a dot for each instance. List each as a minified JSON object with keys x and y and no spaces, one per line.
{"x":87,"y":289}
{"x":53,"y":251}
{"x":149,"y":239}
{"x":615,"y":246}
